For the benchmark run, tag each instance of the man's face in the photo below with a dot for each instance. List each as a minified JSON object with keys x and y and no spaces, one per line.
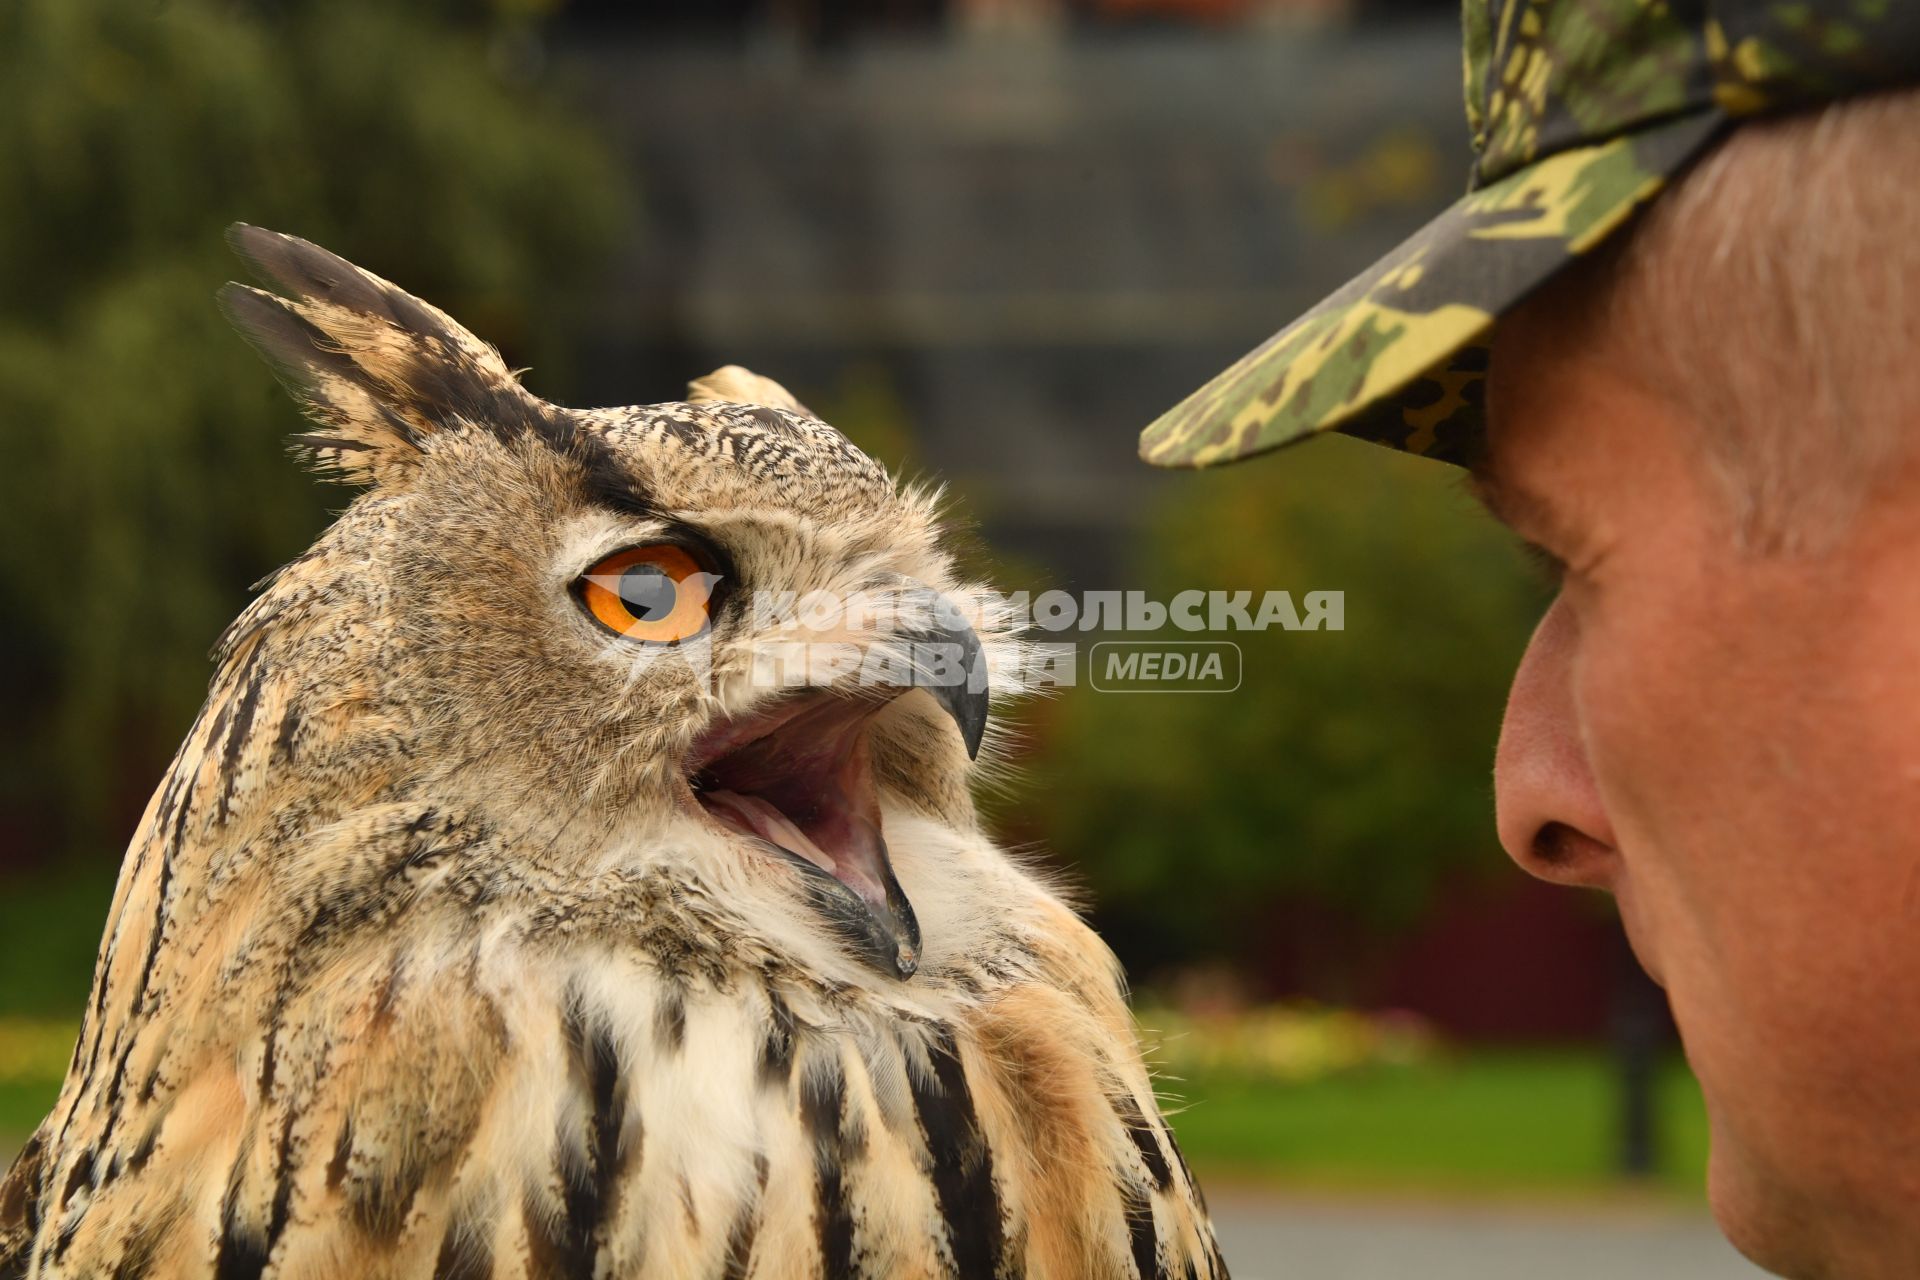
{"x":1729,"y":741}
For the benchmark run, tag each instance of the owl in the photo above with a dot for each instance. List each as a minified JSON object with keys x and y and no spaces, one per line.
{"x":574,"y":873}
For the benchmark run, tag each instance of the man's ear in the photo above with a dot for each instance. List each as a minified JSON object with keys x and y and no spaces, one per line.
{"x":378,"y":369}
{"x":735,"y":385}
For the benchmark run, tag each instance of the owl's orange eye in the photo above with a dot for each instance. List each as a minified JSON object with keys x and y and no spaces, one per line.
{"x":658,"y":594}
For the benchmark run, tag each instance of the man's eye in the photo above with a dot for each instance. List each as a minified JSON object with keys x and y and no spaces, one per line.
{"x":657,"y":594}
{"x":1549,"y":566}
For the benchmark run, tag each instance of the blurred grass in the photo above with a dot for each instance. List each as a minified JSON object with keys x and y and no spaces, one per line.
{"x":1489,"y":1121}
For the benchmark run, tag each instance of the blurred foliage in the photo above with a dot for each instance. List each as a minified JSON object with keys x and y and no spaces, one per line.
{"x":1291,"y":1043}
{"x":146,"y":484}
{"x":35,"y":1050}
{"x":1351,"y":769}
{"x":1400,"y":169}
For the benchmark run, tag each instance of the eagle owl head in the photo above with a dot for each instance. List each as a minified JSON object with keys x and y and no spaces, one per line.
{"x":572,"y":872}
{"x":714,"y":631}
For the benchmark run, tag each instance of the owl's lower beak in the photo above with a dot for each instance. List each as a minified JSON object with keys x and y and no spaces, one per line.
{"x":799,"y":778}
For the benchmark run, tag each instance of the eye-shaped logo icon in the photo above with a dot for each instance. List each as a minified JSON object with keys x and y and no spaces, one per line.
{"x":656,"y":594}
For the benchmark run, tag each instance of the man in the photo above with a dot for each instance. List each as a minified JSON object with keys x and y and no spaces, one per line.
{"x":1675,"y":331}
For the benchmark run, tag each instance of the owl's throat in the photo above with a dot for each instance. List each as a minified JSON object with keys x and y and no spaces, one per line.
{"x":798,"y":782}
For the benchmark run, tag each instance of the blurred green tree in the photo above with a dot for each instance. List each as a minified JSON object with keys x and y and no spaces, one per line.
{"x":145,"y":485}
{"x":1351,"y":769}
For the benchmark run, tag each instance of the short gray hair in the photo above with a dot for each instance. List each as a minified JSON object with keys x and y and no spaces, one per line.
{"x":1774,"y":296}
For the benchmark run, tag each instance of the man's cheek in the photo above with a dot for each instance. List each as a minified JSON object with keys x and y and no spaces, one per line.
{"x":1665,"y":755}
{"x":1642,"y":712}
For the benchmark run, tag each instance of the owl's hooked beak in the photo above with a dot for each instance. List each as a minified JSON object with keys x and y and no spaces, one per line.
{"x":799,"y":778}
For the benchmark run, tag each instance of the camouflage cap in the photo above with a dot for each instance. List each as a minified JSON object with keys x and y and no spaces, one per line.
{"x":1581,"y":111}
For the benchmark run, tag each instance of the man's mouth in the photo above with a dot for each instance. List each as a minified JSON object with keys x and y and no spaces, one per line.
{"x":799,"y":779}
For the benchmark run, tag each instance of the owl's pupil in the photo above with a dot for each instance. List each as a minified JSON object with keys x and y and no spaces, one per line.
{"x":647,"y":592}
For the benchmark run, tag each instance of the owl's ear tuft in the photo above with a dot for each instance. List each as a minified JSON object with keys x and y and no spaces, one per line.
{"x":735,"y":385}
{"x":379,"y":370}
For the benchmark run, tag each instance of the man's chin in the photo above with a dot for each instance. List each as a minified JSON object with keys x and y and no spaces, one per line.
{"x":1773,"y":1223}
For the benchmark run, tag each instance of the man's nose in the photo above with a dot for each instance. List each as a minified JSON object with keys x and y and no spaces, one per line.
{"x":1546,"y":804}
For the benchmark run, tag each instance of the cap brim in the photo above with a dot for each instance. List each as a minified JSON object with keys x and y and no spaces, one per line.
{"x":1398,"y":355}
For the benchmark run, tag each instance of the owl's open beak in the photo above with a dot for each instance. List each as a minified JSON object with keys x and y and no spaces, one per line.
{"x":799,"y":778}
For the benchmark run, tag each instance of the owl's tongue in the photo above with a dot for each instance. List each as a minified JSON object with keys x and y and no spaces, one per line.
{"x":800,"y":779}
{"x":755,"y":816}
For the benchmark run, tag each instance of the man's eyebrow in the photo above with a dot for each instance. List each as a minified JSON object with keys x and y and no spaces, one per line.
{"x":1516,"y":507}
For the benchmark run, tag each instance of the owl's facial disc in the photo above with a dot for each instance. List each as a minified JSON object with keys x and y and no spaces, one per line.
{"x":800,"y":779}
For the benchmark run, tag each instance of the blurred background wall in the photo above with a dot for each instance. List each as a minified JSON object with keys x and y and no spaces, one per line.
{"x":990,"y":239}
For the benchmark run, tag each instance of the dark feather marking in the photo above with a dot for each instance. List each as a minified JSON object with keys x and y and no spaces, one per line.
{"x":776,"y":1050}
{"x":687,"y":433}
{"x":604,"y":477}
{"x":313,"y":440}
{"x":746,"y":1225}
{"x":142,"y":1244}
{"x":92,"y":1036}
{"x":163,"y":906}
{"x":380,"y":1202}
{"x":776,"y":421}
{"x":20,"y":1190}
{"x":688,"y":1208}
{"x":342,"y":1155}
{"x":239,"y":729}
{"x":589,"y":1179}
{"x":77,"y":1177}
{"x":1199,"y":1196}
{"x":298,"y":351}
{"x":288,"y":733}
{"x":447,"y":390}
{"x":286,"y":1168}
{"x":962,"y":1159}
{"x":150,"y":1086}
{"x":305,"y":268}
{"x":267,"y":1050}
{"x":670,"y":1018}
{"x":292,"y":345}
{"x":740,"y":1241}
{"x":607,"y":1152}
{"x":1145,"y":1139}
{"x":465,"y":1253}
{"x":387,"y":994}
{"x":1136,"y":1203}
{"x":143,"y":1149}
{"x":242,"y":1254}
{"x":20,"y":1194}
{"x":354,"y":904}
{"x":823,"y":1102}
{"x":549,"y":1256}
{"x":163,"y":893}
